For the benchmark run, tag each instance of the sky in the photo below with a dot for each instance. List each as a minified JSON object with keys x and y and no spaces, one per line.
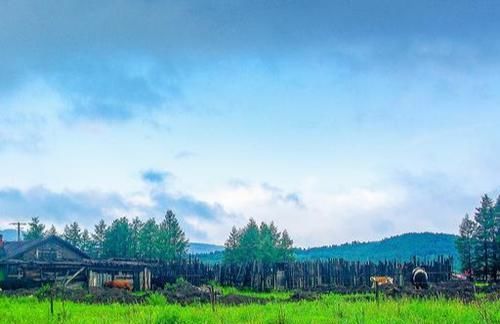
{"x":337,"y":120}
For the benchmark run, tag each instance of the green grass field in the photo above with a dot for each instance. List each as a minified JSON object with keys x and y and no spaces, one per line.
{"x":328,"y":309}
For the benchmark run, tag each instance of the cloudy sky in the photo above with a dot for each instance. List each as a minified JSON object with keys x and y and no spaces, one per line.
{"x":338,"y":120}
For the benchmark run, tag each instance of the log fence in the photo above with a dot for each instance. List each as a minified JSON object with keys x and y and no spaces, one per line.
{"x":299,"y":274}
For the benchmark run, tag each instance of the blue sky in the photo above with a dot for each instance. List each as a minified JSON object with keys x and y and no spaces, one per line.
{"x":338,"y":120}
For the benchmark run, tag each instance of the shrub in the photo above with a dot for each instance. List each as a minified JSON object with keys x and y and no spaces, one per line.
{"x":156,"y":299}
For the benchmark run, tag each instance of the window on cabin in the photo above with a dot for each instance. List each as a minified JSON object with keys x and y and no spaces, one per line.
{"x":47,"y":254}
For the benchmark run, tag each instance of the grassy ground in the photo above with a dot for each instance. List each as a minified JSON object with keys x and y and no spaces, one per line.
{"x":329,"y":309}
{"x":276,"y":295}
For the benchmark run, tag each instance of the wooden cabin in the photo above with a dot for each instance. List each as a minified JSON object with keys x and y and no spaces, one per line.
{"x":33,"y":263}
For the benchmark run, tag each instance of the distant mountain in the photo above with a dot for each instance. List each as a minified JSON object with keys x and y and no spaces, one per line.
{"x":9,"y":234}
{"x":204,"y":248}
{"x":401,"y":247}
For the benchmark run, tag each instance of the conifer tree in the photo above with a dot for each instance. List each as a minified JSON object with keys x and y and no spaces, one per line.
{"x":172,"y":242}
{"x":484,"y":237}
{"x":496,"y":246}
{"x":51,"y":231}
{"x":276,"y":237}
{"x":135,"y":229}
{"x":285,"y":247}
{"x":263,"y":244}
{"x":267,"y":244}
{"x":231,"y":246}
{"x":35,"y":230}
{"x":72,"y":234}
{"x":98,"y":238}
{"x":86,"y":242}
{"x":117,"y":239}
{"x":249,"y":242}
{"x":465,"y":243}
{"x":148,"y":240}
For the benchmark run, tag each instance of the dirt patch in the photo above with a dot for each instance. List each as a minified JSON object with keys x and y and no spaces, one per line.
{"x":23,"y":292}
{"x":233,"y":299}
{"x":494,"y":288}
{"x":462,"y":290}
{"x":340,"y":289}
{"x":93,"y":296}
{"x":185,"y":293}
{"x":304,"y":295}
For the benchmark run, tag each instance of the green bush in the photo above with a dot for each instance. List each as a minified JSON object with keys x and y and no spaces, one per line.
{"x":43,"y":292}
{"x":156,"y":299}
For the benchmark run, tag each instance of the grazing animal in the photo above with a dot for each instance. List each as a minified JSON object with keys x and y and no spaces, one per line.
{"x":381,"y":281}
{"x":459,"y":276}
{"x":419,"y":278}
{"x":118,"y":283}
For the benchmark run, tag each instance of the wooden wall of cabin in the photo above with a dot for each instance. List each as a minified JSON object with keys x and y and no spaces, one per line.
{"x":29,"y":276}
{"x":49,"y":249}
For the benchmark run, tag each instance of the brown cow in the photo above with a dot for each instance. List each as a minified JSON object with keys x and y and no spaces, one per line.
{"x":118,"y":283}
{"x":381,"y":281}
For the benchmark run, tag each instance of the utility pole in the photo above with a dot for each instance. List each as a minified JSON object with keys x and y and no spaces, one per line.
{"x":18,"y":224}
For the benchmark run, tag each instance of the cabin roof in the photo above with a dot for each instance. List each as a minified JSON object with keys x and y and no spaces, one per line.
{"x":14,"y":249}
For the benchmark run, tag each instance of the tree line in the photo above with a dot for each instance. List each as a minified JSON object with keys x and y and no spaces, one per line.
{"x":262,"y":243}
{"x":166,"y":241}
{"x":478,"y":243}
{"x":126,"y":239}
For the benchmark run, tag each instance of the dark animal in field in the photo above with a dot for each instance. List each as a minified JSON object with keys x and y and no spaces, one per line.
{"x":419,"y":278}
{"x":120,"y":284}
{"x":381,"y":281}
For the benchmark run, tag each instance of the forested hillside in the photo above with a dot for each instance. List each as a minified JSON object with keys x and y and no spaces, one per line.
{"x":401,"y":247}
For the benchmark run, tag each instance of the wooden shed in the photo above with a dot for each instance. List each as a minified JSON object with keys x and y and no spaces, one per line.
{"x":33,"y":263}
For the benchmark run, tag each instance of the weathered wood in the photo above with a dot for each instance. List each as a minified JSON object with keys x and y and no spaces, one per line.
{"x":254,"y":275}
{"x":74,"y":276}
{"x":300,"y":275}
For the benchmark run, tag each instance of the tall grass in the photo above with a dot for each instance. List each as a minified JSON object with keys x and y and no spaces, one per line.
{"x":277,"y":295}
{"x":328,"y":309}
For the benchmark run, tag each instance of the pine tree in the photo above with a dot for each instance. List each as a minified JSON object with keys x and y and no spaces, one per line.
{"x":465,"y":244}
{"x":98,"y":238}
{"x":267,"y":244}
{"x":484,"y":237}
{"x":86,"y":243}
{"x":148,"y":240}
{"x":286,"y":247}
{"x":263,"y":244}
{"x":172,"y":242}
{"x":249,"y":242}
{"x":35,"y":230}
{"x":231,"y":246}
{"x":117,"y":239}
{"x":276,"y":237}
{"x":51,"y":231}
{"x":73,"y":234}
{"x":496,"y":246}
{"x":135,"y":228}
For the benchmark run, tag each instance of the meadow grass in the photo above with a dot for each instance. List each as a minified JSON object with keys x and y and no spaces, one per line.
{"x":329,"y":309}
{"x":276,"y":295}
